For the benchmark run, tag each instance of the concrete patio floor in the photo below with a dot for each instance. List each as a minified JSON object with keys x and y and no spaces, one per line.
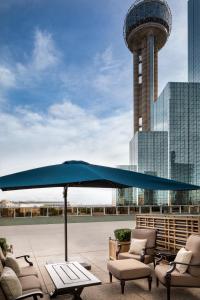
{"x":88,"y":241}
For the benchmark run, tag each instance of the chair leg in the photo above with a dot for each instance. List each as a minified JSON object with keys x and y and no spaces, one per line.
{"x":154,"y":263}
{"x":157,"y":282}
{"x":122,"y":285}
{"x":110,"y":274}
{"x":149,"y":282}
{"x":168,"y":292}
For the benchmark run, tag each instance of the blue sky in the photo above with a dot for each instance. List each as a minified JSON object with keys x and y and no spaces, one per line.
{"x":66,"y":85}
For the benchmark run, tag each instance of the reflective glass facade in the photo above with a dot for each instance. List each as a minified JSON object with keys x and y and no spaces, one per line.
{"x":193,"y":41}
{"x":177,"y":111}
{"x":127,"y":196}
{"x":150,"y":156}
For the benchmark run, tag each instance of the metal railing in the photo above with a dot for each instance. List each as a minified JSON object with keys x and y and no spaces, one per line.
{"x":30,"y":212}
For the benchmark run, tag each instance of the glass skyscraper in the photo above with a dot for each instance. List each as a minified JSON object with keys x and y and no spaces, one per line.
{"x":177,"y":112}
{"x":194,"y":40}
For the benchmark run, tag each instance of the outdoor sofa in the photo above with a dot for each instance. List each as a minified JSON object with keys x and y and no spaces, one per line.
{"x":18,"y":283}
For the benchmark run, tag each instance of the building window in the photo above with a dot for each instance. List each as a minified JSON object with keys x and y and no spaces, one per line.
{"x":140,"y":69}
{"x":140,"y":124}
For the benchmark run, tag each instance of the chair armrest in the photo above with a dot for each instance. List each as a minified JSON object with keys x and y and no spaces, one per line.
{"x":26,"y":259}
{"x":173,"y":264}
{"x":35,"y":295}
{"x":119,"y":246}
{"x":171,"y":269}
{"x":180,"y":263}
{"x":118,"y":250}
{"x":161,"y":257}
{"x":144,"y":252}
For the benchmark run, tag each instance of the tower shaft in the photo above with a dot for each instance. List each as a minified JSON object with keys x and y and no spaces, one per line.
{"x":145,"y":82}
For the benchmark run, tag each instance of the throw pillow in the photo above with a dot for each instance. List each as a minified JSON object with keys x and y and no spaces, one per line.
{"x":12,"y":263}
{"x":137,"y":245}
{"x":183,"y":256}
{"x":193,"y":244}
{"x":10,"y":284}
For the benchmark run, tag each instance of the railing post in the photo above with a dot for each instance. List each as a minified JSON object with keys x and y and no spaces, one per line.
{"x":91,"y":211}
{"x":161,"y":210}
{"x":104,"y":211}
{"x":140,"y":210}
{"x":180,"y":209}
{"x":150,"y":209}
{"x":128,"y":210}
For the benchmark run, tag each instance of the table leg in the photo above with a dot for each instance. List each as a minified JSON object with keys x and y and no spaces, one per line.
{"x":53,"y":294}
{"x":77,"y":297}
{"x":77,"y":293}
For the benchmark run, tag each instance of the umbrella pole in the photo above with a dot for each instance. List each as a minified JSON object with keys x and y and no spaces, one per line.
{"x":65,"y":221}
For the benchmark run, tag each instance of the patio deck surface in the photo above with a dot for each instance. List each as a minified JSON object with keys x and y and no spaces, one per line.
{"x":89,"y":242}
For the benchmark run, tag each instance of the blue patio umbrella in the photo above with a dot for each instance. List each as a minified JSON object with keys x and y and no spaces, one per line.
{"x":82,"y":174}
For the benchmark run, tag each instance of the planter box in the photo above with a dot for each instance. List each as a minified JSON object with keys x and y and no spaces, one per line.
{"x":114,"y":247}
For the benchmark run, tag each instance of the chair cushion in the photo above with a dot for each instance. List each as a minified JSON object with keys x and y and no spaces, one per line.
{"x":126,"y":255}
{"x":146,"y":233}
{"x":137,"y":245}
{"x":2,"y":256}
{"x":176,"y":278}
{"x":193,"y":244}
{"x":183,"y":256}
{"x":27,"y":271}
{"x":128,"y":269}
{"x":29,"y":283}
{"x":10,"y":284}
{"x":12,"y":263}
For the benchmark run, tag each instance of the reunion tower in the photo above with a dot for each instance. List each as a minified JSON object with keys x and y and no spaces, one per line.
{"x":146,"y":29}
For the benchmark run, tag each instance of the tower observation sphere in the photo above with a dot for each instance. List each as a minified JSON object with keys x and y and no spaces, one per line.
{"x":147,"y":27}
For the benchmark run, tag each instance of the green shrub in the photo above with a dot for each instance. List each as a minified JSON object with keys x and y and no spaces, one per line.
{"x":123,"y":234}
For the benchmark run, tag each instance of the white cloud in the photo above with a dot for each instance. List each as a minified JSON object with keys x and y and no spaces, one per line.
{"x":65,"y":132}
{"x":45,"y":53}
{"x":43,"y":57}
{"x":7,"y":77}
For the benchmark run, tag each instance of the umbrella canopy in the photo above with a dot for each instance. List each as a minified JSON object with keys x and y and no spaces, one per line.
{"x":82,"y":174}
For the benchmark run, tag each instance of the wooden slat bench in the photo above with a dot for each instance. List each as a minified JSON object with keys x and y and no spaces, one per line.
{"x":70,"y":278}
